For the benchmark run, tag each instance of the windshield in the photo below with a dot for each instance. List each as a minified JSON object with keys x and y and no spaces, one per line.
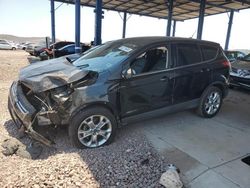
{"x":246,"y":58}
{"x":105,"y":56}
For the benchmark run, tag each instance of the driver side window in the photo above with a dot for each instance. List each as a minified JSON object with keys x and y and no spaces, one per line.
{"x":155,"y":59}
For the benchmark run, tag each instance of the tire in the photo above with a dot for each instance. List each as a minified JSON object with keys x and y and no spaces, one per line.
{"x":86,"y":122}
{"x":13,"y":48}
{"x":210,"y":103}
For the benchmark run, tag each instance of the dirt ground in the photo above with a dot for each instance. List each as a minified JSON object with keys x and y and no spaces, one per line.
{"x":128,"y":162}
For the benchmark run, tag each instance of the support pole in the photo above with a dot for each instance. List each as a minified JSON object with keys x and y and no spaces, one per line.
{"x":170,"y":13}
{"x":52,"y":11}
{"x":230,"y":23}
{"x":174,"y":27}
{"x":201,"y":18}
{"x":98,"y":23}
{"x":77,"y":26}
{"x":124,"y":25}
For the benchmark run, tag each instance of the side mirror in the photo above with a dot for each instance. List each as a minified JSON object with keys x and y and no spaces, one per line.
{"x":128,"y":73}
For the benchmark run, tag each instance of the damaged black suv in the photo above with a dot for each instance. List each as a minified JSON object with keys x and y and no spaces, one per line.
{"x":116,"y":83}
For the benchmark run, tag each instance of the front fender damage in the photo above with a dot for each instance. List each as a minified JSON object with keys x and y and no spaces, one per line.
{"x":53,"y":108}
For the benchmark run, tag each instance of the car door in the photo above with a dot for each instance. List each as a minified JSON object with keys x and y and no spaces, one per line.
{"x":192,"y":74}
{"x":150,"y":85}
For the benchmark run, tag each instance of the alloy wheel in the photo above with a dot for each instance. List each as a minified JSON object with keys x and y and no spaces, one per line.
{"x":94,"y":131}
{"x":212,"y":103}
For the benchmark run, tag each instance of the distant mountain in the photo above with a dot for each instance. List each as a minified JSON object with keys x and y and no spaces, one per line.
{"x":22,"y":39}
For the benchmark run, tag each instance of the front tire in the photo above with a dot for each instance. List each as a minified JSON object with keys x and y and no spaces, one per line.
{"x":92,"y":127}
{"x":210,"y":103}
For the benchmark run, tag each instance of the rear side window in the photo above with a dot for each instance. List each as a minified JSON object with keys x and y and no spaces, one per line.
{"x":209,"y":52}
{"x":187,"y":54}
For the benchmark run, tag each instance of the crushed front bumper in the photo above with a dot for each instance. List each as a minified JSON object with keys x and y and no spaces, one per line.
{"x":239,"y":81}
{"x":23,"y":113}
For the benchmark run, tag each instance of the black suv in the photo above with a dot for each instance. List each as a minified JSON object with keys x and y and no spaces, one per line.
{"x":116,"y":83}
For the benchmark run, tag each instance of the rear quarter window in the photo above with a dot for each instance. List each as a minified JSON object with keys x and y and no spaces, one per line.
{"x":209,"y":52}
{"x":187,"y":54}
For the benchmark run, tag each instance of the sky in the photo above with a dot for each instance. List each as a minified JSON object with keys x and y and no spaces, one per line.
{"x":31,"y":18}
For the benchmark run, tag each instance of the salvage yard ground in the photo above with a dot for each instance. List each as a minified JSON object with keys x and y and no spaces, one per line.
{"x":207,"y":151}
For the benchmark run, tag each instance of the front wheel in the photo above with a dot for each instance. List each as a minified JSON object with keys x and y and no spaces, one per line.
{"x":210,"y":102}
{"x":92,"y":127}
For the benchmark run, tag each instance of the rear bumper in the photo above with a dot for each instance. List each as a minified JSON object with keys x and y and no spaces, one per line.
{"x":23,"y":113}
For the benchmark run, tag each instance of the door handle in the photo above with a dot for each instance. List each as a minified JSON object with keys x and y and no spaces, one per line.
{"x":205,"y":70}
{"x":164,"y":78}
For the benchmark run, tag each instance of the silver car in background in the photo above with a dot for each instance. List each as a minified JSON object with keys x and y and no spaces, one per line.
{"x":6,"y":45}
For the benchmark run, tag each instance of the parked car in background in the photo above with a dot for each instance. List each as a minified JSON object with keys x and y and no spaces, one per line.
{"x":240,"y":73}
{"x":30,"y":48}
{"x":23,"y":45}
{"x":116,"y":83}
{"x":55,"y":46}
{"x":233,"y":55}
{"x":66,"y":50}
{"x":60,"y":44}
{"x":6,"y":45}
{"x":35,"y":49}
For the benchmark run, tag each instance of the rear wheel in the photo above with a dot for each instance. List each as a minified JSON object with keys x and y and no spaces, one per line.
{"x":13,"y":48}
{"x":92,"y":127}
{"x":210,"y":102}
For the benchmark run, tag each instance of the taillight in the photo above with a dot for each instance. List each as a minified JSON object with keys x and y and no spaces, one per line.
{"x":226,"y":64}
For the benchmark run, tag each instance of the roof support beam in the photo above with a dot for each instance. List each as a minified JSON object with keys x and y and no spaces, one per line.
{"x":201,"y":18}
{"x":98,"y":23}
{"x":243,"y":1}
{"x":174,"y":27}
{"x":124,"y":25}
{"x":52,"y":11}
{"x":210,"y":4}
{"x":77,"y":26}
{"x":230,"y":23}
{"x":170,"y":14}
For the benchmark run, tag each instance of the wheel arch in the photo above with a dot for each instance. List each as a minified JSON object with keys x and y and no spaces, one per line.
{"x":102,"y":104}
{"x":222,"y":86}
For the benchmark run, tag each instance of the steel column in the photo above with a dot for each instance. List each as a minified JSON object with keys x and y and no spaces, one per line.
{"x":170,"y":13}
{"x":77,"y":26}
{"x":98,"y":23}
{"x":230,"y":23}
{"x":201,"y":18}
{"x":174,"y":27}
{"x":52,"y":11}
{"x":124,"y":25}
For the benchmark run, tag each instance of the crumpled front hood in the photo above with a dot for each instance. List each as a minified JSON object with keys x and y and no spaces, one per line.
{"x":46,"y":75}
{"x":241,"y":65}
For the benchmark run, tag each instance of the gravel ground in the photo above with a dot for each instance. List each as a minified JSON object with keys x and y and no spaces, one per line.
{"x":129,"y":161}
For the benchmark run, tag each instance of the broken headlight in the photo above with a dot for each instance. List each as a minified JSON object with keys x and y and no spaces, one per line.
{"x":61,"y":94}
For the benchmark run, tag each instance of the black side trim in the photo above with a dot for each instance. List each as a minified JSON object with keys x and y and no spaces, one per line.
{"x":162,"y":111}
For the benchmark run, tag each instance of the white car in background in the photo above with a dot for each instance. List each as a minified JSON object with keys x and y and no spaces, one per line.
{"x":4,"y":44}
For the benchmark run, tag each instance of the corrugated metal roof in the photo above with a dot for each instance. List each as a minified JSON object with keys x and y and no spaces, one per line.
{"x":183,"y":9}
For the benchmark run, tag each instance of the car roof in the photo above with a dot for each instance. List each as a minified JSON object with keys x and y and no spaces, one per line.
{"x":143,"y":41}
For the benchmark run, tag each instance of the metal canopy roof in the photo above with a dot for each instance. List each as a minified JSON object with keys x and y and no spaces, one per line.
{"x":183,"y":9}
